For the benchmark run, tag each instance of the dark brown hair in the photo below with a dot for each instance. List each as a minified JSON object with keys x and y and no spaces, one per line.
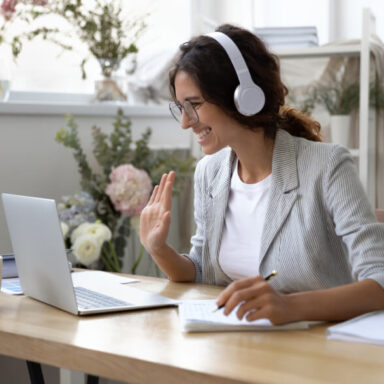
{"x":209,"y":65}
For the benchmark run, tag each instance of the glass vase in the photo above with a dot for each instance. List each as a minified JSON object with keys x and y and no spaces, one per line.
{"x":110,"y":87}
{"x":4,"y":80}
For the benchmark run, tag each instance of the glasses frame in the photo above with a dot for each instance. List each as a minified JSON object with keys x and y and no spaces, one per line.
{"x":176,"y":110}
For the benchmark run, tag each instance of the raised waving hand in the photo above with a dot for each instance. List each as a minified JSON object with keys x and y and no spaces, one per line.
{"x":155,"y":218}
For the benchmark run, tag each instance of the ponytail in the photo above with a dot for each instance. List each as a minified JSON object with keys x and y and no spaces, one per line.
{"x":299,"y":124}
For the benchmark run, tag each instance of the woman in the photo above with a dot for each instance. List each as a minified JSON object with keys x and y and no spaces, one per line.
{"x":269,"y":196}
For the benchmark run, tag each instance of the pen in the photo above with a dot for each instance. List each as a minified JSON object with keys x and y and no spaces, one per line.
{"x":269,"y":277}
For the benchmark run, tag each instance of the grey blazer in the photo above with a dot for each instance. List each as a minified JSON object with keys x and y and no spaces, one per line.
{"x":320,"y":230}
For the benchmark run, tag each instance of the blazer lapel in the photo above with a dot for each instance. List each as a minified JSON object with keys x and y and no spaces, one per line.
{"x":283,"y":188}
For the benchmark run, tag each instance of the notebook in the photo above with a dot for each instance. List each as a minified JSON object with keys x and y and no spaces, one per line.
{"x":368,"y":328}
{"x":199,"y":316}
{"x":9,"y":266}
{"x":38,"y":245}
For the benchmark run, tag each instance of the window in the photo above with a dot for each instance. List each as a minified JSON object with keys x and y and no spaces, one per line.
{"x":44,"y":67}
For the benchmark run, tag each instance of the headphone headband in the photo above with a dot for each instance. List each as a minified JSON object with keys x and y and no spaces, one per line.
{"x":249,"y":98}
{"x":235,"y":56}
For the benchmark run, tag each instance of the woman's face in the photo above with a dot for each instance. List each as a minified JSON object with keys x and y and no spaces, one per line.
{"x":215,"y":130}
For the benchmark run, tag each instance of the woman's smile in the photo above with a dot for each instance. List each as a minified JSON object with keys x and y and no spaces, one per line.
{"x":203,"y":134}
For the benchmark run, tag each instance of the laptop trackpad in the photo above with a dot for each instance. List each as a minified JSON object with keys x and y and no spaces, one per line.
{"x":111,"y":285}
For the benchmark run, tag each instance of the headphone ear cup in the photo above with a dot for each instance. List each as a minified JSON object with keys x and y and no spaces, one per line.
{"x":249,"y":100}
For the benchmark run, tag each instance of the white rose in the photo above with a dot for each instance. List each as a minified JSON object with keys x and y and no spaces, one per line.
{"x":79,"y":231}
{"x":87,"y":248}
{"x":64,"y":228}
{"x":99,"y":230}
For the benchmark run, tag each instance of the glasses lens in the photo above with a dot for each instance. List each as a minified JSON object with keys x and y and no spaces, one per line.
{"x":193,"y":117}
{"x":175,"y":111}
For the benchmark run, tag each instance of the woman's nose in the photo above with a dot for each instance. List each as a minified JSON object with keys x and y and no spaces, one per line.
{"x":185,"y":120}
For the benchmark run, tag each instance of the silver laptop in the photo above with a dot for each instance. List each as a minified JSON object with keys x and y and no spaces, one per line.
{"x":42,"y":264}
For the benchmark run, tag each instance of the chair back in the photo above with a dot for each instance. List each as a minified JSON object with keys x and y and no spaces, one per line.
{"x":380,"y":215}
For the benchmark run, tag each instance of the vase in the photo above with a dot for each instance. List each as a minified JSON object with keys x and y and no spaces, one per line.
{"x":340,"y":129}
{"x":4,"y":89}
{"x":110,"y":87}
{"x":4,"y":80}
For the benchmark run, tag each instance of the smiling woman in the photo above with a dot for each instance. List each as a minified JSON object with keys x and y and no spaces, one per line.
{"x":269,"y":197}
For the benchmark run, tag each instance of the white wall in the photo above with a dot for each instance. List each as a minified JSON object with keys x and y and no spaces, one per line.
{"x":348,"y":17}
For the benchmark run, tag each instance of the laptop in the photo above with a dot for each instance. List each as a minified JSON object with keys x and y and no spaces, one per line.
{"x":41,"y":260}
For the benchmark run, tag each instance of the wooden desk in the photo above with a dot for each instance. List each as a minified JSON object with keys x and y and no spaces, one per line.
{"x":148,"y":347}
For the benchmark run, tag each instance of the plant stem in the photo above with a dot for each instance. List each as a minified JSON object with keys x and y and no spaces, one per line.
{"x":105,"y":260}
{"x":137,"y":262}
{"x":114,"y":257}
{"x":109,"y":258}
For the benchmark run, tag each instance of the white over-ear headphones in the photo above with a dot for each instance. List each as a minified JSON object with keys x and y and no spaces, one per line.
{"x":249,"y":98}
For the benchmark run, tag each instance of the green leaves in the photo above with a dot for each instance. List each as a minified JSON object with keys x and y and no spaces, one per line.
{"x":342,"y":99}
{"x":115,"y":149}
{"x":339,"y":99}
{"x":68,"y":136}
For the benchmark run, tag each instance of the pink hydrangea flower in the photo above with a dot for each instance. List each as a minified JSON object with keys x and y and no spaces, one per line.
{"x":8,"y":8}
{"x":129,"y":189}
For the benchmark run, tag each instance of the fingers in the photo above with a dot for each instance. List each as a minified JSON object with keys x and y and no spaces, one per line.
{"x":164,"y":191}
{"x":153,"y":196}
{"x":166,"y":198}
{"x":236,"y":286}
{"x":246,"y":293}
{"x":161,"y":187}
{"x":253,"y":305}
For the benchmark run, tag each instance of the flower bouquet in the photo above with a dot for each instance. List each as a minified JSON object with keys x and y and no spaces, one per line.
{"x":106,"y":212}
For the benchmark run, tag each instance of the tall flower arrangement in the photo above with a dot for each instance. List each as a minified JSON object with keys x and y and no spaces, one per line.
{"x":106,"y":211}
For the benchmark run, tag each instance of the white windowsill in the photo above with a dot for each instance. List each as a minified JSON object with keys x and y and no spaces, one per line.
{"x":36,"y":103}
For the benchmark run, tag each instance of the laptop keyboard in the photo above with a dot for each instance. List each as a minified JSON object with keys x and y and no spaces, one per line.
{"x":87,"y":299}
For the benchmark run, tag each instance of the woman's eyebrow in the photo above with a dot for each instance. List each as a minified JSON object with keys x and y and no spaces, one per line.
{"x":190,"y":98}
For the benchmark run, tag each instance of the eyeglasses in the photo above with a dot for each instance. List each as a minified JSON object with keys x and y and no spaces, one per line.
{"x":189,"y":109}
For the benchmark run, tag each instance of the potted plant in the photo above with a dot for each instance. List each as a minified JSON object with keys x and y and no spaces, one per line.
{"x":340,"y":99}
{"x":101,"y":25}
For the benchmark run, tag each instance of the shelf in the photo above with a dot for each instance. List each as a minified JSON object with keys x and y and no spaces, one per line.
{"x":366,"y":152}
{"x":322,"y":51}
{"x":48,"y":104}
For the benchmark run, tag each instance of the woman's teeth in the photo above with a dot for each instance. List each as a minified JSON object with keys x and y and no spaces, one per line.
{"x":204,"y":133}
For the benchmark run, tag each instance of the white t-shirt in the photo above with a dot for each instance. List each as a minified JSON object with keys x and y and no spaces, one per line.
{"x":243,"y":226}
